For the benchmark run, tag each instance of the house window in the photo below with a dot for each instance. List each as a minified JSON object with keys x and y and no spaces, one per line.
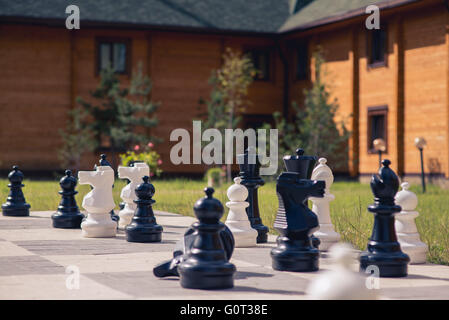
{"x":377,"y":126}
{"x":302,"y":62}
{"x":261,"y":59}
{"x":113,"y":54}
{"x":377,"y":47}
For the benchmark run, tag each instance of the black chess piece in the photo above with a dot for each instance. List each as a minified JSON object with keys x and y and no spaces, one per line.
{"x":206,"y":265}
{"x":249,"y":172}
{"x":296,"y":222}
{"x":68,"y":215}
{"x":384,"y":250}
{"x":15,"y":203}
{"x":183,"y":247}
{"x":104,"y":162}
{"x":303,"y":165}
{"x":143,"y":226}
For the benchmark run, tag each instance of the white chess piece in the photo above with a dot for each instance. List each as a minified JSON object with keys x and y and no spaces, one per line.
{"x":341,"y":283}
{"x":406,"y":230}
{"x":98,"y":203}
{"x":135,"y":175}
{"x":326,"y":234}
{"x":237,"y":220}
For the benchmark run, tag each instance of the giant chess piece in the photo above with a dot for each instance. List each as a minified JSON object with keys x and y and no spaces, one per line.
{"x":340,"y":283}
{"x":143,"y":227}
{"x":326,"y":234}
{"x":296,"y":222}
{"x":406,"y":230}
{"x":384,"y":250}
{"x":302,"y":165}
{"x":249,"y":172}
{"x":15,"y":203}
{"x":237,"y":220}
{"x":182,"y":250}
{"x":98,"y":203}
{"x":103,"y":162}
{"x":68,"y":215}
{"x":135,"y":175}
{"x":206,"y":265}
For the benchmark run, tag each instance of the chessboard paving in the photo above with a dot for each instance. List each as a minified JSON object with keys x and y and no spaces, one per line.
{"x":34,"y":258}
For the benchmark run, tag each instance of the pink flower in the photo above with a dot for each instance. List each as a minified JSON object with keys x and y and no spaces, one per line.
{"x":151,"y":174}
{"x":223,"y":167}
{"x":150,"y":144}
{"x":159,"y":162}
{"x":136,"y":147}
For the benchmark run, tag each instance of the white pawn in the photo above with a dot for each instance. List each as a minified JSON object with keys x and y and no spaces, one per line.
{"x":98,"y":203}
{"x":406,"y":230}
{"x":341,"y":283}
{"x":237,"y":220}
{"x":326,"y":234}
{"x":128,"y":194}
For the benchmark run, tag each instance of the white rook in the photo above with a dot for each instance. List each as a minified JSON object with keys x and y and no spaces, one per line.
{"x":406,"y":230}
{"x":237,"y":220}
{"x":98,"y":203}
{"x":326,"y":234}
{"x":135,"y":175}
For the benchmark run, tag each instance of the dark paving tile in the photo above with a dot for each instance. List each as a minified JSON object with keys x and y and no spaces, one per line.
{"x":25,"y":224}
{"x":430,"y":292}
{"x":23,"y":265}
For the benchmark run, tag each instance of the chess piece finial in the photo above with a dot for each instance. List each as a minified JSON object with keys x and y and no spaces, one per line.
{"x":68,"y":215}
{"x":206,"y":265}
{"x":406,"y":231}
{"x":384,"y":250}
{"x":15,"y":203}
{"x":98,"y":203}
{"x":326,"y":234}
{"x":143,"y":227}
{"x":134,"y":175}
{"x":340,"y":283}
{"x":237,"y":220}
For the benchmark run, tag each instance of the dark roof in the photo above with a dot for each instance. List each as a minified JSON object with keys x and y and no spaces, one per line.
{"x":261,"y":16}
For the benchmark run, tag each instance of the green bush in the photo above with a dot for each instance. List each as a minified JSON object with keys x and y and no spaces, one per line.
{"x":150,"y":157}
{"x":215,"y":176}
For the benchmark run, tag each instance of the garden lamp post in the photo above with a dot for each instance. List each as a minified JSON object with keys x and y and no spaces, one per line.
{"x":420,"y":143}
{"x":380,"y":146}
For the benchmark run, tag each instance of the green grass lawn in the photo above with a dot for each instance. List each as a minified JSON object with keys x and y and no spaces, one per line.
{"x":349,"y":214}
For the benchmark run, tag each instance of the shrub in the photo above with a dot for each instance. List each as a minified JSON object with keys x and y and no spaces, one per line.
{"x":150,"y":157}
{"x":215,"y":176}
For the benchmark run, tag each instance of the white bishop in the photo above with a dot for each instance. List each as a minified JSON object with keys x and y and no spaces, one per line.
{"x":237,"y":220}
{"x":326,"y":234}
{"x":406,"y":230}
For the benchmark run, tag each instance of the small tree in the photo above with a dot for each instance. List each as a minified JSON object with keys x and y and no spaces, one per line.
{"x":314,"y":127}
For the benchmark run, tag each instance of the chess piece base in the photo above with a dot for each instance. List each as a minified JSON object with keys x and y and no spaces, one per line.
{"x":210,"y":276}
{"x":67,"y":221}
{"x":262,"y":232}
{"x":327,"y":236}
{"x":391,"y":263}
{"x":294,"y":255}
{"x":152,"y":233}
{"x":99,"y":225}
{"x":126,"y":215}
{"x":417,"y":251}
{"x":244,"y":238}
{"x":12,"y":211}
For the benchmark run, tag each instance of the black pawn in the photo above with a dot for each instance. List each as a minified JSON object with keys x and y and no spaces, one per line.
{"x":249,"y":172}
{"x":15,"y":203}
{"x":103,"y":162}
{"x":68,"y":215}
{"x":384,"y":250}
{"x":143,"y":227}
{"x":296,"y":222}
{"x":206,"y":265}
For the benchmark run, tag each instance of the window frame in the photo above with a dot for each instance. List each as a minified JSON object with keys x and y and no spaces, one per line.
{"x":269,"y":50}
{"x":296,"y":48}
{"x":111,"y":40}
{"x":384,"y":61}
{"x":376,"y":111}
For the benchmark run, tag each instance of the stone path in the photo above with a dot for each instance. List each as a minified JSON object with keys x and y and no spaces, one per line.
{"x":37,"y":261}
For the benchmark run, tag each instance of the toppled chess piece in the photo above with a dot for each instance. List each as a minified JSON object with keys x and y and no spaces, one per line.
{"x":406,"y":230}
{"x":326,"y":234}
{"x":98,"y":203}
{"x":237,"y":220}
{"x":249,"y":165}
{"x":15,"y":203}
{"x":103,"y":162}
{"x":135,"y":175}
{"x":303,"y":166}
{"x":68,"y":215}
{"x":206,"y":265}
{"x":384,"y":251}
{"x":341,"y":283}
{"x":143,"y":227}
{"x":296,"y":222}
